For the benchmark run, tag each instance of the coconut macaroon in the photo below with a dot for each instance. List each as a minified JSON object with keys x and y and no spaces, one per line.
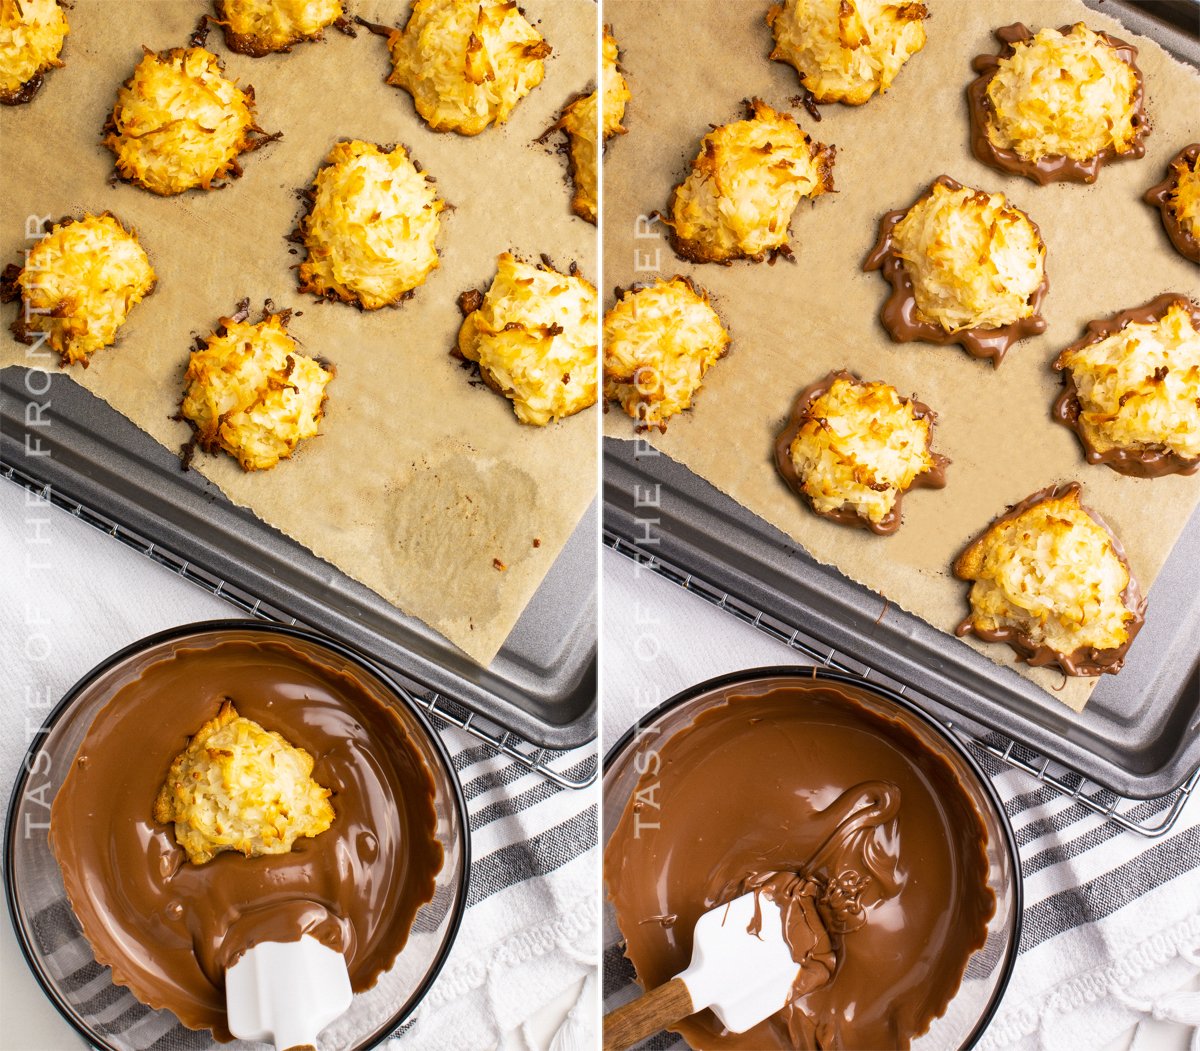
{"x":371,"y":228}
{"x":580,"y":121}
{"x":237,"y":786}
{"x":965,"y":267}
{"x":659,"y":341}
{"x":737,"y":201}
{"x":78,"y":285}
{"x":1131,"y":389}
{"x":1178,"y":200}
{"x":533,"y":335}
{"x":1051,"y":580}
{"x":31,"y":38}
{"x":847,"y":50}
{"x":260,"y":27}
{"x":1057,"y":105}
{"x":466,"y":63}
{"x":852,"y":449}
{"x":249,"y":391}
{"x":180,"y":123}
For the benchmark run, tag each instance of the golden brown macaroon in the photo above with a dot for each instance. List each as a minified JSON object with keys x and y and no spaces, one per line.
{"x":1178,"y":200}
{"x":260,"y":27}
{"x":847,"y":50}
{"x":737,"y":201}
{"x":466,"y":63}
{"x":1057,"y":105}
{"x":1131,"y":389}
{"x":965,"y":267}
{"x":533,"y":335}
{"x":180,"y":123}
{"x":240,"y":787}
{"x":249,"y":391}
{"x":78,"y":285}
{"x":31,"y":39}
{"x":1051,"y":580}
{"x":852,"y":449}
{"x":372,"y":226}
{"x":659,"y":341}
{"x":580,"y":121}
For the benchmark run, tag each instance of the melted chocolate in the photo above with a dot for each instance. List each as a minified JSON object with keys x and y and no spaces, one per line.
{"x":933,"y":478}
{"x":862,"y":834}
{"x":1142,"y":461}
{"x":170,"y":929}
{"x":1086,"y":660}
{"x":25,"y":93}
{"x":1185,"y":242}
{"x":1055,"y":167}
{"x":904,"y":321}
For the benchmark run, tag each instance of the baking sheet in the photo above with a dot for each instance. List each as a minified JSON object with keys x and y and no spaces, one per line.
{"x":419,"y":480}
{"x":791,"y":324}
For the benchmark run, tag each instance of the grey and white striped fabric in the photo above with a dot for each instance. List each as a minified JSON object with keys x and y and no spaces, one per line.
{"x":1112,"y":920}
{"x":530,"y":928}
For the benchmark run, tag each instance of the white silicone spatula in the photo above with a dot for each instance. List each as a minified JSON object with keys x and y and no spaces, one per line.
{"x":286,"y":992}
{"x":745,"y":978}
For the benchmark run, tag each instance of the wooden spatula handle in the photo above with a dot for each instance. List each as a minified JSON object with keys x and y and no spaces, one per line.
{"x":646,"y":1015}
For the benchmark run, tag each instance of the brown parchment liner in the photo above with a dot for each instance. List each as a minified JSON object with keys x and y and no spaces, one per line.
{"x":1086,"y":660}
{"x":932,"y":478}
{"x":1159,"y":196}
{"x":417,"y":481}
{"x":1055,"y":167}
{"x":792,"y":323}
{"x":1139,"y":461}
{"x":902,"y":318}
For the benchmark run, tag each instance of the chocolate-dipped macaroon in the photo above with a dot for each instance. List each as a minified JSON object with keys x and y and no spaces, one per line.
{"x":1177,"y":197}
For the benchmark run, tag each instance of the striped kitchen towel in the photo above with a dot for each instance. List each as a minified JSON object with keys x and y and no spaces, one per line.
{"x":1112,"y":920}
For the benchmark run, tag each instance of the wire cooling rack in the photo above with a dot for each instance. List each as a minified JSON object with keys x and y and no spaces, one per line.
{"x":546,"y":762}
{"x":1163,"y":812}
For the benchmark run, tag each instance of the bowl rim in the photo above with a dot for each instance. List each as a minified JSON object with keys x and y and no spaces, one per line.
{"x":96,"y":1040}
{"x":814,"y":674}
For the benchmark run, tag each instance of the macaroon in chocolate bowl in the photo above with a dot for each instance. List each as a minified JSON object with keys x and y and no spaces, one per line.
{"x":735,"y":783}
{"x":385,"y":882}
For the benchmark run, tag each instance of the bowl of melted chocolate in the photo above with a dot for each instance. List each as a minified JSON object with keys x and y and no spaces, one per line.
{"x":132,"y":892}
{"x":864,"y":819}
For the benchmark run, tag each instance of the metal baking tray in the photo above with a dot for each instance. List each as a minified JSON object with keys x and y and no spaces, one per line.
{"x":540,"y":687}
{"x":1138,"y":736}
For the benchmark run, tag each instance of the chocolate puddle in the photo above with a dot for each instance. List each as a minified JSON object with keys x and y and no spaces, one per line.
{"x":1055,"y":167}
{"x":170,"y":929}
{"x":860,"y":832}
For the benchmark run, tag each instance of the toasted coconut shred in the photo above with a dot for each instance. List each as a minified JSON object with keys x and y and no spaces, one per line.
{"x":466,"y":63}
{"x":580,"y":121}
{"x":179,"y":123}
{"x":249,"y":391}
{"x":1140,"y":387}
{"x":737,"y":201}
{"x":1184,"y":200}
{"x":240,"y":787}
{"x":79,"y":284}
{"x":974,"y":260}
{"x":372,"y":227}
{"x":859,"y":447}
{"x":259,"y":27}
{"x":847,"y":50}
{"x":1064,"y":95}
{"x":533,"y":334}
{"x":659,"y":341}
{"x":31,"y":39}
{"x":1052,"y":574}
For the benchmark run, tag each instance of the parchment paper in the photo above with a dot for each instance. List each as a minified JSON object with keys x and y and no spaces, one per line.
{"x":418,"y":480}
{"x":692,"y":63}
